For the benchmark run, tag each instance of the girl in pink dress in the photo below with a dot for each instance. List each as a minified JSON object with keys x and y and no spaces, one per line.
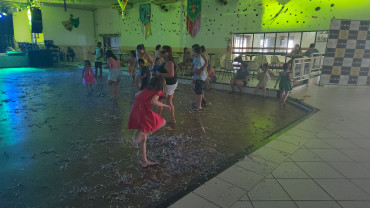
{"x":87,"y":75}
{"x":144,"y":119}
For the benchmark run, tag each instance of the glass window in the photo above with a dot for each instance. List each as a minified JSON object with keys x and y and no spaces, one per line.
{"x":294,"y":38}
{"x":307,"y":39}
{"x":258,"y":41}
{"x":269,"y":43}
{"x":278,"y":42}
{"x":281,"y":42}
{"x":249,"y":40}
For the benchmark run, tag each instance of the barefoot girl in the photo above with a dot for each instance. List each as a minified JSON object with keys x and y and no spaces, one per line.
{"x":87,"y":75}
{"x":144,"y":119}
{"x":285,"y":85}
{"x":263,"y":79}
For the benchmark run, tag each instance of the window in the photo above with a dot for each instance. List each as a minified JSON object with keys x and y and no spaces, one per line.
{"x":282,"y":42}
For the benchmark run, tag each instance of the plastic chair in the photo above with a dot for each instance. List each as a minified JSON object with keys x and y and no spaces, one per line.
{"x":253,"y":67}
{"x":229,"y":68}
{"x":276,"y":63}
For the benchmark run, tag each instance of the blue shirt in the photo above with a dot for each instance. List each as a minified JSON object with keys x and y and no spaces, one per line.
{"x":155,"y":68}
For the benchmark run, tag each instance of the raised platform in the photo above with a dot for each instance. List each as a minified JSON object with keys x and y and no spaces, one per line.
{"x":11,"y":61}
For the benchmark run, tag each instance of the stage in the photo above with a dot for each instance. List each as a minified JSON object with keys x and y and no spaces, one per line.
{"x":13,"y":60}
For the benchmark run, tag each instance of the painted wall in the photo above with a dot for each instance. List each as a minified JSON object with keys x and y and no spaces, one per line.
{"x":52,"y":18}
{"x":22,"y":28}
{"x":220,"y":21}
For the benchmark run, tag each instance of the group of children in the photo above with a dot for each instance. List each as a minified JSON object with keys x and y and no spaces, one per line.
{"x":153,"y":89}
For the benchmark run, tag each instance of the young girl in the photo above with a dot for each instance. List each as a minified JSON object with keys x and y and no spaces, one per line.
{"x":263,"y":79}
{"x":285,"y":85}
{"x":87,"y":75}
{"x":211,"y":76}
{"x":144,"y":119}
{"x":148,"y":61}
{"x":132,"y":65}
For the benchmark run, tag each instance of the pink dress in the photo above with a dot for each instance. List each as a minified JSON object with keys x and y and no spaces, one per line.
{"x":142,"y":117}
{"x":88,"y":78}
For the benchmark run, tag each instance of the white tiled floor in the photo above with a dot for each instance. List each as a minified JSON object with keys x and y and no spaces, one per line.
{"x":323,"y":162}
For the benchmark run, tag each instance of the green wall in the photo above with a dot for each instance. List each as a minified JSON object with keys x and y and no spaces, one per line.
{"x":220,"y":21}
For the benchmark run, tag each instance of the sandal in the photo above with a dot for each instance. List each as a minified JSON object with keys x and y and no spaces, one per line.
{"x":197,"y":109}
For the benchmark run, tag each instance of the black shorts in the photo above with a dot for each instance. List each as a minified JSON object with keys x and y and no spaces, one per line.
{"x":98,"y":65}
{"x":199,"y":86}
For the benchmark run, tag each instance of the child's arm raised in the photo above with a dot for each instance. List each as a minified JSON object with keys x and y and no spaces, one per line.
{"x":155,"y":101}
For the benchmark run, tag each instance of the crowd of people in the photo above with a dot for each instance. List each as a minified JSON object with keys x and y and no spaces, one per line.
{"x":156,"y":82}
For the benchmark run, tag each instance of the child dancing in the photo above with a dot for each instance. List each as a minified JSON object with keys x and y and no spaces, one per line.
{"x":264,"y":78}
{"x":144,"y":119}
{"x":87,"y":75}
{"x":285,"y":83}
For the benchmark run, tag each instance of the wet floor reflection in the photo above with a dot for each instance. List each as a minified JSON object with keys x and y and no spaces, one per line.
{"x":62,"y":145}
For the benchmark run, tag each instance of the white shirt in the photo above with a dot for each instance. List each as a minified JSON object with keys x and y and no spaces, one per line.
{"x":198,"y":63}
{"x":98,"y":54}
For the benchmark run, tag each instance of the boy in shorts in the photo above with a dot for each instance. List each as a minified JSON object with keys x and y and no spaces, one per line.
{"x":200,"y":76}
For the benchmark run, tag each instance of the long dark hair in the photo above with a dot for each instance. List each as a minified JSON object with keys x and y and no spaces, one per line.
{"x":110,"y":54}
{"x":168,"y":49}
{"x":286,"y":67}
{"x":203,"y":48}
{"x":133,"y":53}
{"x":140,"y":47}
{"x":158,"y":83}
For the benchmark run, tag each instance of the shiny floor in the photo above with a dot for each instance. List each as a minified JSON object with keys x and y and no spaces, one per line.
{"x":64,"y":145}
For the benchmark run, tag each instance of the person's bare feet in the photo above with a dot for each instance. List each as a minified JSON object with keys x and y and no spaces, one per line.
{"x":148,"y":163}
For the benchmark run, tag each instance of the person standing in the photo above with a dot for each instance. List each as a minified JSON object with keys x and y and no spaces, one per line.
{"x":168,"y":71}
{"x":285,"y":83}
{"x":99,"y":57}
{"x":200,"y":76}
{"x":142,"y":54}
{"x":115,"y":73}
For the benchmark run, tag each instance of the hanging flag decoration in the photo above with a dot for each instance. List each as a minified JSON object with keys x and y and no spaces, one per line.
{"x":193,"y":23}
{"x":72,"y":22}
{"x":145,"y":14}
{"x":75,"y":21}
{"x":122,"y":4}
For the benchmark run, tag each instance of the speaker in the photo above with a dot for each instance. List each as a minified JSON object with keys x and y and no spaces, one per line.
{"x":40,"y":58}
{"x":36,"y":20}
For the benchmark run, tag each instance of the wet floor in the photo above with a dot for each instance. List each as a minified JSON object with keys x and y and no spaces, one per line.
{"x":64,"y":146}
